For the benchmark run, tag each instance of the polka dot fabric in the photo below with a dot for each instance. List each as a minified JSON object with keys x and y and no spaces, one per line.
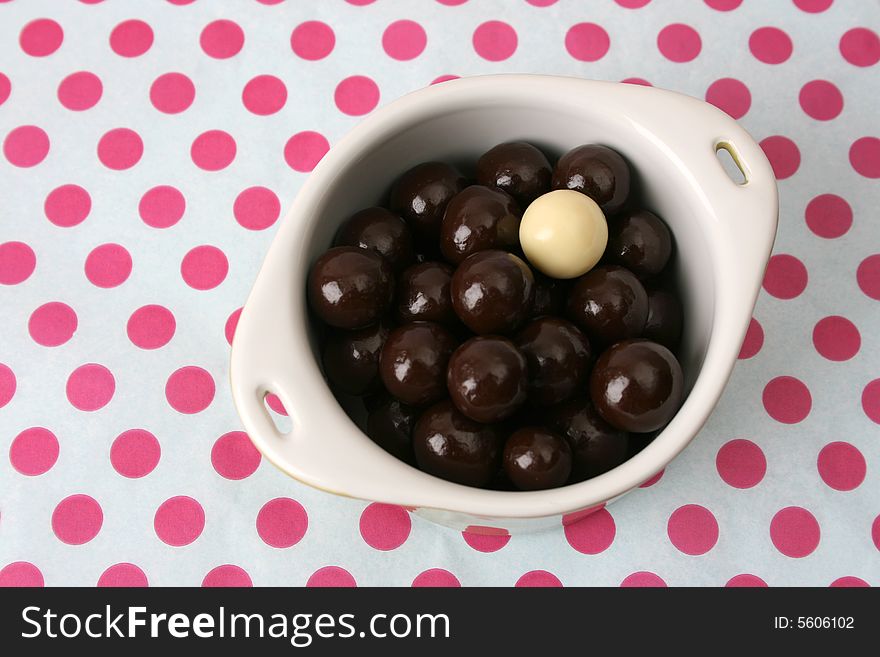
{"x":147,"y":156}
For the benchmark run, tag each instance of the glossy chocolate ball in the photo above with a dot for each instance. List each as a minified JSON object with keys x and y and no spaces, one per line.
{"x":639,"y":241}
{"x":664,"y":318}
{"x":517,"y":168}
{"x":597,"y":171}
{"x":380,"y":230}
{"x":453,"y":447}
{"x":413,"y":362}
{"x":558,"y":356}
{"x":596,"y":446}
{"x":493,"y":292}
{"x":487,"y":378}
{"x":550,"y":294}
{"x":478,"y":218}
{"x":390,"y":425}
{"x":423,"y":294}
{"x":421,"y":194}
{"x":637,"y":385}
{"x":351,"y":358}
{"x":609,"y":304}
{"x":536,"y":459}
{"x":350,"y":287}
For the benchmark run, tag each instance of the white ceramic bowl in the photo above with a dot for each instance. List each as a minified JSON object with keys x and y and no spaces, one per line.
{"x":723,"y":232}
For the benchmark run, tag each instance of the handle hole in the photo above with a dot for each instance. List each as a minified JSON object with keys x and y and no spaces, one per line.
{"x":731,"y":162}
{"x":277,"y":413}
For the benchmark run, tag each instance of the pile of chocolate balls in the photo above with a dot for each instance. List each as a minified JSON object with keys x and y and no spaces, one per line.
{"x":514,"y":332}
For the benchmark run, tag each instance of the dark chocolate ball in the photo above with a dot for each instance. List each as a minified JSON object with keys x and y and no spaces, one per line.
{"x":609,"y":304}
{"x":639,"y":241}
{"x":487,"y":378}
{"x":413,"y":362}
{"x":517,"y":168}
{"x":664,"y":318}
{"x":478,"y":218}
{"x":558,"y":355}
{"x":421,"y":194}
{"x":390,"y":425}
{"x":597,"y":171}
{"x":550,"y":296}
{"x":453,"y":447}
{"x":637,"y":385}
{"x":493,"y":292}
{"x":596,"y":446}
{"x":350,"y":287}
{"x":351,"y":358}
{"x":536,"y":458}
{"x":423,"y":294}
{"x":380,"y":230}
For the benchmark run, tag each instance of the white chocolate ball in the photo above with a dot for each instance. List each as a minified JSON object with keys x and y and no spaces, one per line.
{"x":563,"y":233}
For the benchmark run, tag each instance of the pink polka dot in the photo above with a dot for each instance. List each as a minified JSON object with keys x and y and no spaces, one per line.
{"x":538,"y":579}
{"x":172,"y":93}
{"x":828,"y":216}
{"x":17,"y":262}
{"x":679,"y":43}
{"x":745,"y":581}
{"x":593,"y":534}
{"x":836,"y":338}
{"x":227,"y":575}
{"x":34,"y":451}
{"x":875,"y":532}
{"x":135,"y":453}
{"x":868,"y":276}
{"x":120,"y":149}
{"x":162,"y":206}
{"x":256,"y":208}
{"x":90,"y":387}
{"x":436,"y":578}
{"x":821,"y":100}
{"x":270,"y":2}
{"x":67,"y":205}
{"x":180,"y":3}
{"x":273,"y":402}
{"x":632,"y":4}
{"x":864,"y":156}
{"x":312,"y":40}
{"x":587,"y":42}
{"x":52,"y":324}
{"x":813,"y":6}
{"x":770,"y":45}
{"x":455,"y":3}
{"x":20,"y":574}
{"x":539,"y":3}
{"x":331,"y":576}
{"x":77,"y":519}
{"x":652,"y":480}
{"x":7,"y":385}
{"x":179,"y":521}
{"x":444,"y":78}
{"x":485,"y":539}
{"x":575,"y":516}
{"x":643,"y":579}
{"x":108,"y":265}
{"x":131,"y":38}
{"x":841,"y":466}
{"x":204,"y":267}
{"x":637,"y":81}
{"x":123,"y":575}
{"x":190,"y":389}
{"x":495,"y":41}
{"x":692,"y":529}
{"x":234,"y":456}
{"x":360,"y":3}
{"x":41,"y":37}
{"x":723,"y":5}
{"x":26,"y":146}
{"x":221,"y":39}
{"x":5,"y":88}
{"x":849,"y":582}
{"x":404,"y":40}
{"x":356,"y":95}
{"x":213,"y":150}
{"x":151,"y":326}
{"x":741,"y":463}
{"x":80,"y":91}
{"x":753,"y":341}
{"x":787,"y":400}
{"x":795,"y":532}
{"x":785,"y":277}
{"x":860,"y":46}
{"x":231,"y":323}
{"x":871,"y":400}
{"x":264,"y":95}
{"x":730,"y":95}
{"x":304,"y":150}
{"x":385,"y":526}
{"x":282,"y":522}
{"x":784,"y":156}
